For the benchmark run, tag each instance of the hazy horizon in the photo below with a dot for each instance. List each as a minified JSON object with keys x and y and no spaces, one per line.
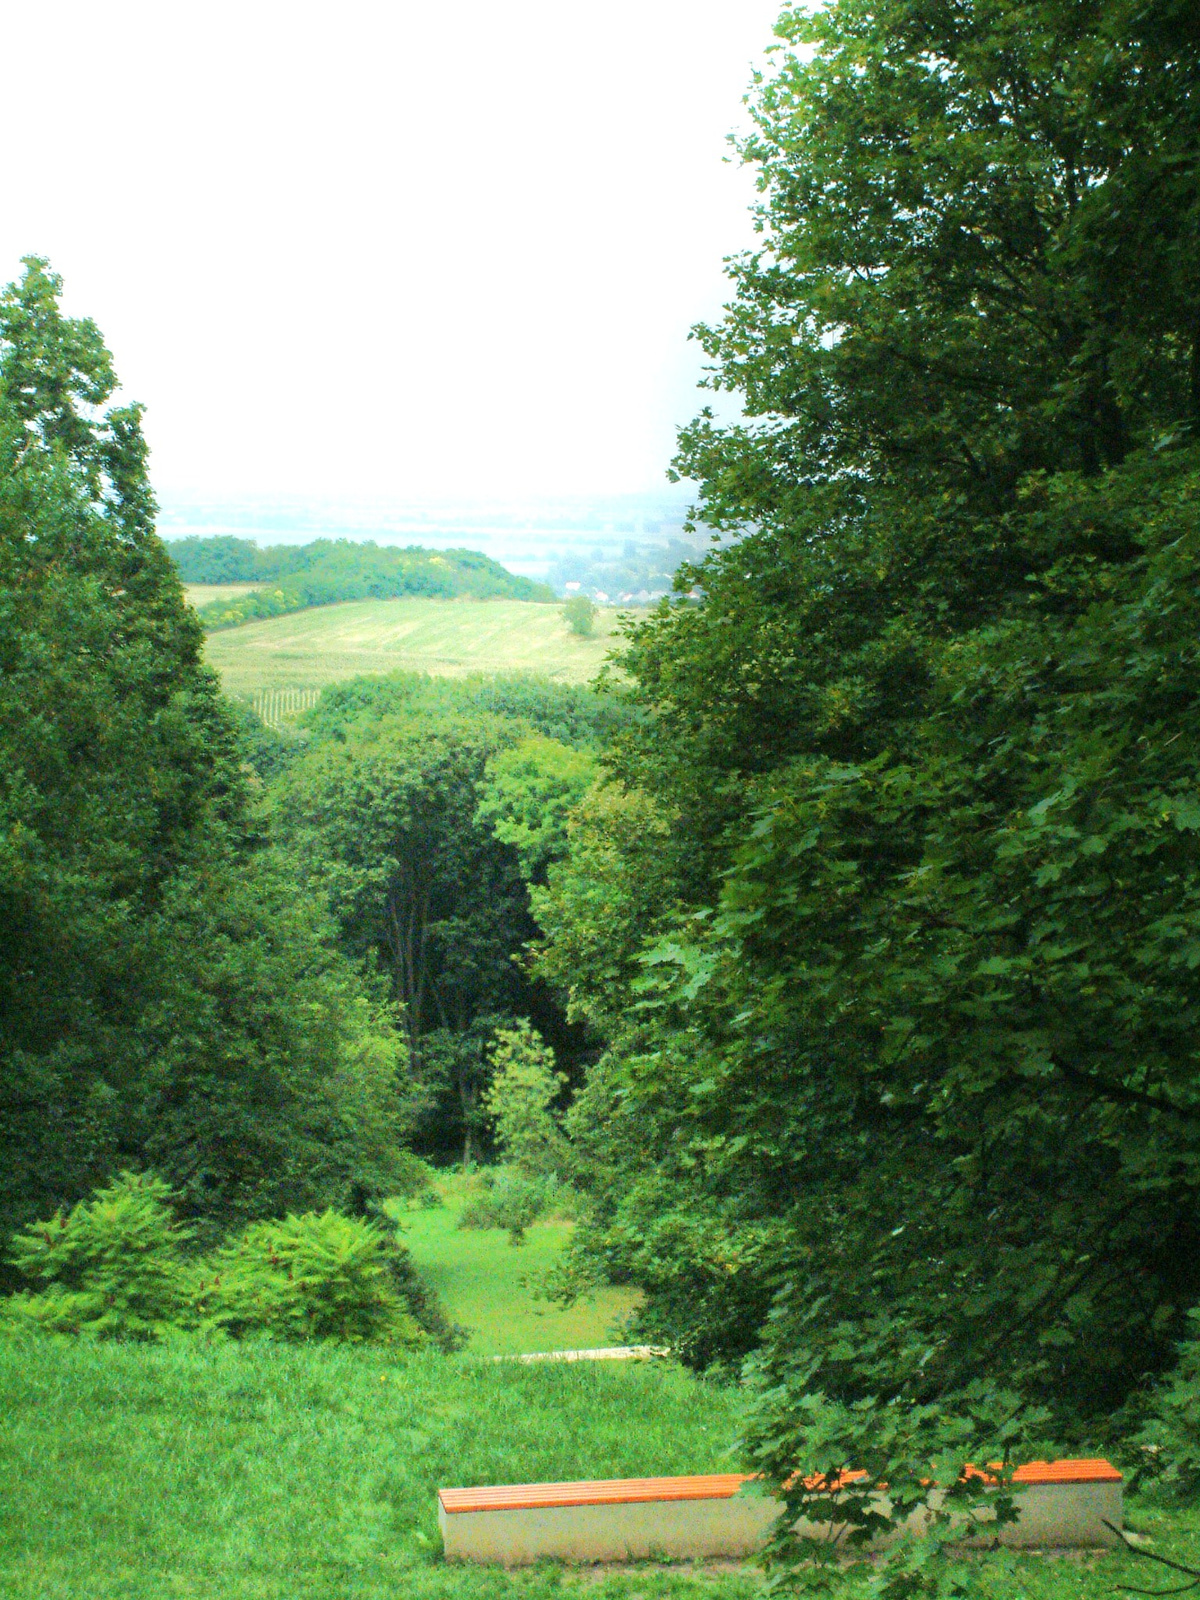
{"x":389,"y":249}
{"x":531,"y":536}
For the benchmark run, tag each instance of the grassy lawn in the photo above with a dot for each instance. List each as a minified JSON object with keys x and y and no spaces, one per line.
{"x":261,"y":1472}
{"x":310,"y":649}
{"x":274,"y":1473}
{"x":482,"y":1280}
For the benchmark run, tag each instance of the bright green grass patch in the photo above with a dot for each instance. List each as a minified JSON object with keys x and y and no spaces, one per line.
{"x":309,"y":1473}
{"x":276,"y":1472}
{"x":309,"y":649}
{"x":487,"y":1284}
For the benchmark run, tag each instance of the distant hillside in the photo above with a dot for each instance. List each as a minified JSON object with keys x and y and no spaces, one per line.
{"x":295,"y":577}
{"x":640,"y":574}
{"x":446,"y":638}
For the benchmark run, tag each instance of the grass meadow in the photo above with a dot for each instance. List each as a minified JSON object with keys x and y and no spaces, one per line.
{"x":309,"y":649}
{"x":488,"y":1285}
{"x":270,"y":1472}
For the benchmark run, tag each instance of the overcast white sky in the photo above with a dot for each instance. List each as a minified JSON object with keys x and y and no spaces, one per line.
{"x":388,"y":248}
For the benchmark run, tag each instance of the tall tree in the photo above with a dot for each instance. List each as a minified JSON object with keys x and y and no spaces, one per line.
{"x":908,"y":1093}
{"x":160,"y":1002}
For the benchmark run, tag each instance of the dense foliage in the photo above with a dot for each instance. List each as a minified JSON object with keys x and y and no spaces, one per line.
{"x":293,"y":577}
{"x":903,"y":1101}
{"x":418,"y":813}
{"x":117,"y":1266}
{"x":165,"y":999}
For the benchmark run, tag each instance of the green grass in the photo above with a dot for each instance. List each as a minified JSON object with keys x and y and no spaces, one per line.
{"x":484,"y":1282}
{"x":261,"y":1472}
{"x":309,"y":649}
{"x":274,"y":1473}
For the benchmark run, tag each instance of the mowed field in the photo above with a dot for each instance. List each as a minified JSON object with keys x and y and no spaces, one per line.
{"x":310,"y":649}
{"x":488,"y":1285}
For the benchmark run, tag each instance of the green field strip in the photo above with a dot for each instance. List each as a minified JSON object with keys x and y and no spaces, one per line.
{"x":309,"y":649}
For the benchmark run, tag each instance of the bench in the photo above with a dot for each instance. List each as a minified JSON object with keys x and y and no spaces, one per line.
{"x":1062,"y":1504}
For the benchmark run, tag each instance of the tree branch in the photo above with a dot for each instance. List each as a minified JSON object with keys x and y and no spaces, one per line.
{"x":1122,"y":1094}
{"x":1163,"y":1561}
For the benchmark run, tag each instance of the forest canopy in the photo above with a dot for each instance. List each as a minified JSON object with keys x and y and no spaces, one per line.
{"x":293,"y":577}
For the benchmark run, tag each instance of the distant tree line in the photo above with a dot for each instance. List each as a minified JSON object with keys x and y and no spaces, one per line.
{"x":294,"y":577}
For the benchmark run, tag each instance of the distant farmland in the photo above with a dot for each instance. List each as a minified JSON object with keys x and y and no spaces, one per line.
{"x":309,"y":649}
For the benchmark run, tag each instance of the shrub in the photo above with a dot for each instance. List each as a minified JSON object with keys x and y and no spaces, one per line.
{"x":111,"y":1266}
{"x":1169,"y":1438}
{"x":579,"y":614}
{"x":114,"y":1267}
{"x":512,"y":1200}
{"x":316,"y":1276}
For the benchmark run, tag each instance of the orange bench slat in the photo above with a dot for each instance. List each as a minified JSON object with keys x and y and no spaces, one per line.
{"x":1090,"y":1471}
{"x":704,"y":1486}
{"x":593,"y":1492}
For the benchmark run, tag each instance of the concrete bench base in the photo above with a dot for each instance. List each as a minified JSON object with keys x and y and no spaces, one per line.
{"x":1061,"y":1504}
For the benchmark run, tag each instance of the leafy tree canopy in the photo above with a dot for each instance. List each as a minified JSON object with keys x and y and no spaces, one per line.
{"x":903,"y":1099}
{"x":418,"y":814}
{"x":294,"y":577}
{"x":162,"y":998}
{"x":528,"y":794}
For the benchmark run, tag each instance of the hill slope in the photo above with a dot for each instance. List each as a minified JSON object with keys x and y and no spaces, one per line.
{"x":311,"y":648}
{"x":289,"y":578}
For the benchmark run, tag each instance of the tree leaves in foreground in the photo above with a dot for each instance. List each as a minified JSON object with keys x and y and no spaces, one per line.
{"x":904,"y":1104}
{"x":163,"y":999}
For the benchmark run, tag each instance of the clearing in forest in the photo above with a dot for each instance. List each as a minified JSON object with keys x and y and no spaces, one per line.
{"x":487,"y":1284}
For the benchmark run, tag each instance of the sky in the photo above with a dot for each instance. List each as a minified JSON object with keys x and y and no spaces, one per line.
{"x":394,"y":249}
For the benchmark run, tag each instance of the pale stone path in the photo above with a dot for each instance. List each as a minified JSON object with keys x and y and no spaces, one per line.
{"x":616,"y":1352}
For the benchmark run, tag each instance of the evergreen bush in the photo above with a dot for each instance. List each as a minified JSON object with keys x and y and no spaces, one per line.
{"x":111,"y":1267}
{"x":316,"y":1276}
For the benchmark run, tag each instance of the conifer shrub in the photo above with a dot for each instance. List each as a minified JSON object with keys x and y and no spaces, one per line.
{"x":112,"y":1267}
{"x":117,"y":1267}
{"x":316,"y":1276}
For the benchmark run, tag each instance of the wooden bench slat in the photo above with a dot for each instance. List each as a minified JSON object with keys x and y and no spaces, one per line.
{"x":1095,"y":1470}
{"x":593,"y":1492}
{"x":706,"y":1486}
